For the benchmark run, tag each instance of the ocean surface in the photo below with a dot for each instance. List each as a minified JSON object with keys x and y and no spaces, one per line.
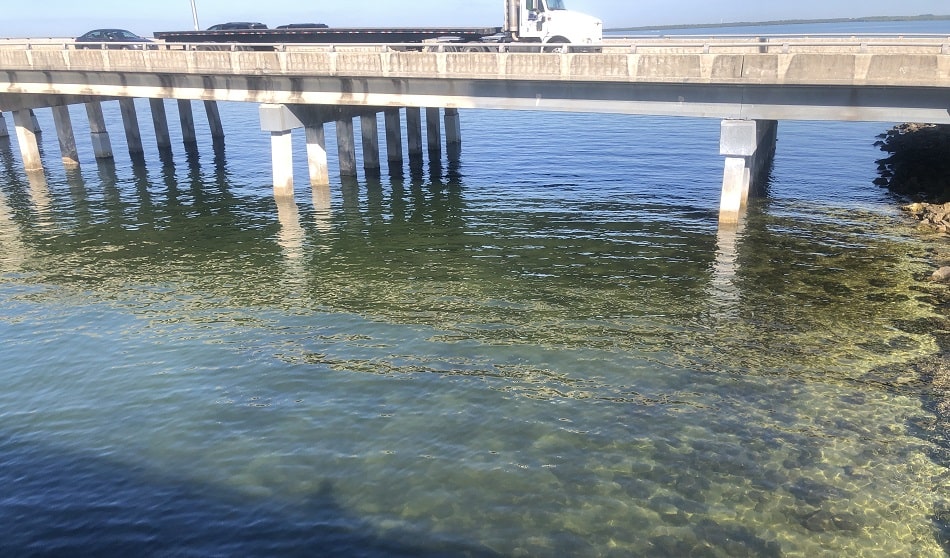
{"x":544,"y":348}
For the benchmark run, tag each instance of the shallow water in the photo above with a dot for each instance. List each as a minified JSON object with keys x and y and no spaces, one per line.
{"x":544,"y":349}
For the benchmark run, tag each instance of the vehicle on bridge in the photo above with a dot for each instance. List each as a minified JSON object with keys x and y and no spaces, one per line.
{"x":112,"y":38}
{"x":540,"y":22}
{"x":232,"y":25}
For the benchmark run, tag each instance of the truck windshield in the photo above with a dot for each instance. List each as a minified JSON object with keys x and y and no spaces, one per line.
{"x":555,"y":4}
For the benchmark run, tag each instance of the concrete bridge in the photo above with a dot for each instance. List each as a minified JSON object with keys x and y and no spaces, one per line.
{"x":748,"y":83}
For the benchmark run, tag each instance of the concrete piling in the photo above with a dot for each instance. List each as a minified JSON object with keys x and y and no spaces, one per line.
{"x":133,"y":134}
{"x":187,"y":118}
{"x":414,"y":133}
{"x":370,"y":135}
{"x":26,"y":137}
{"x":749,"y":146}
{"x":393,"y":140}
{"x":346,"y":146}
{"x":4,"y":132}
{"x":65,"y":135}
{"x":160,"y":123}
{"x":317,"y":155}
{"x":433,"y":132}
{"x":101,"y":144}
{"x":282,"y":162}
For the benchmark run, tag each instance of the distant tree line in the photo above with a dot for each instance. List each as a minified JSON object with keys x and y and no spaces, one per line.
{"x":922,"y":17}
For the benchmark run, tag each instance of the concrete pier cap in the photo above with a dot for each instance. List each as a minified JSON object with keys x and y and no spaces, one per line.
{"x":278,"y":118}
{"x":738,"y":138}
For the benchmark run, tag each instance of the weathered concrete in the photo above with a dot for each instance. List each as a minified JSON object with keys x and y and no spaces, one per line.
{"x":346,"y":146}
{"x":433,"y":132}
{"x":453,"y":127}
{"x":282,"y":163}
{"x":187,"y":118}
{"x":133,"y":135}
{"x":214,"y":123}
{"x":749,"y":146}
{"x":101,"y":144}
{"x":65,"y":135}
{"x":414,"y":132}
{"x":160,"y":123}
{"x":317,"y":155}
{"x":26,"y":137}
{"x":4,"y":131}
{"x":369,"y":132}
{"x":856,"y":81}
{"x":393,"y":139}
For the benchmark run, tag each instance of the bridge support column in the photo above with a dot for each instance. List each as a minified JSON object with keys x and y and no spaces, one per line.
{"x":369,"y":133}
{"x":26,"y":136}
{"x":187,"y":118}
{"x":393,"y":140}
{"x":749,"y":146}
{"x":101,"y":144}
{"x":414,"y":133}
{"x":4,"y":132}
{"x":346,"y":146}
{"x":279,"y":121}
{"x":67,"y":139}
{"x":133,"y":134}
{"x":160,"y":123}
{"x":317,"y":155}
{"x":214,"y":122}
{"x":434,"y":133}
{"x":35,"y":123}
{"x":453,"y":134}
{"x":282,"y":162}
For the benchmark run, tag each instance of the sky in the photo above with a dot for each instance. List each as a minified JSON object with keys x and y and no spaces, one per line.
{"x":68,"y":18}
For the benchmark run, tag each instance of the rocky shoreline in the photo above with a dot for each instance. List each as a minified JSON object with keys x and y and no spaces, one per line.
{"x":917,"y":170}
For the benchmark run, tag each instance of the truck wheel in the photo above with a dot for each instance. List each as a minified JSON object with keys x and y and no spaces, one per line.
{"x":555,"y":45}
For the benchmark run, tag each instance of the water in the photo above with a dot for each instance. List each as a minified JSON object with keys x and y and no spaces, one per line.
{"x":546,"y":349}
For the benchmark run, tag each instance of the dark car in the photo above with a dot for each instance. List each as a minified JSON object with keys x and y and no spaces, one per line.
{"x":112,"y":38}
{"x":237,"y":25}
{"x":303,"y":26}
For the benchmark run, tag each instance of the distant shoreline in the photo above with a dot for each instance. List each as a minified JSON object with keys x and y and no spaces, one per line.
{"x":924,"y":17}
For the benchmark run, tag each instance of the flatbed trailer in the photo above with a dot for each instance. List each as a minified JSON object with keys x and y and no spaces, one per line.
{"x":335,"y":35}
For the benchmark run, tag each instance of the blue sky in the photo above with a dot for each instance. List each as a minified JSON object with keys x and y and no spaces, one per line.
{"x":66,"y":18}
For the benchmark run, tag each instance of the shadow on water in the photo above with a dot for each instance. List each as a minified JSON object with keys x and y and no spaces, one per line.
{"x":57,"y":502}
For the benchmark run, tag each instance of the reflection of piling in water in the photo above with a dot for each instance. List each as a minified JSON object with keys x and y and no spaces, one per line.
{"x":12,"y":250}
{"x":723,"y":290}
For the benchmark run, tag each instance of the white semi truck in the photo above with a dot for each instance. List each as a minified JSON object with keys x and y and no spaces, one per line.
{"x":544,"y":22}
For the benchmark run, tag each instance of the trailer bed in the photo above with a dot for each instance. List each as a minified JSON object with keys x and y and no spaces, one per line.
{"x":331,"y":35}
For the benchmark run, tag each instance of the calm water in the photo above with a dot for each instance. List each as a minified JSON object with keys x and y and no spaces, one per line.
{"x":544,"y":349}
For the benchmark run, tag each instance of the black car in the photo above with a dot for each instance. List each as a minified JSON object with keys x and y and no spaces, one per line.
{"x":303,"y":26}
{"x":237,"y":25}
{"x":112,"y":38}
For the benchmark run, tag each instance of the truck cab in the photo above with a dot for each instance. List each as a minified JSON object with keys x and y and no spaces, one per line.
{"x":549,"y":21}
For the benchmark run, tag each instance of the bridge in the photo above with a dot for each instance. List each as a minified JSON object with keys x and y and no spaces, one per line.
{"x":749,"y":83}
